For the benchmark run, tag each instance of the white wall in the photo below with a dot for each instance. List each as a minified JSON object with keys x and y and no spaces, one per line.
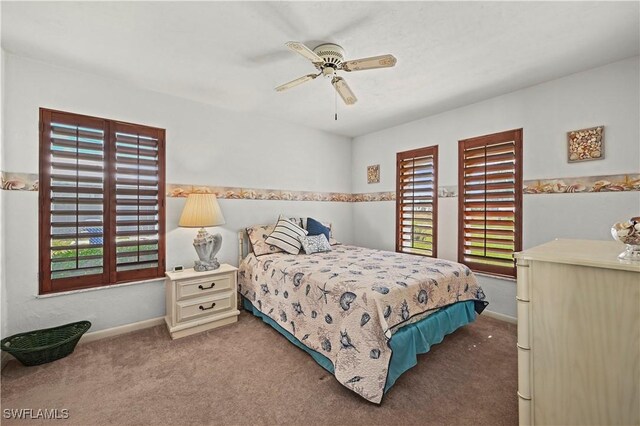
{"x":3,"y":290}
{"x":205,"y":145}
{"x":211,"y":146}
{"x":608,"y":96}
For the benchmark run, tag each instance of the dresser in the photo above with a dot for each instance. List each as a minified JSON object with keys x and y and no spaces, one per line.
{"x":578,"y":334}
{"x":199,"y":301}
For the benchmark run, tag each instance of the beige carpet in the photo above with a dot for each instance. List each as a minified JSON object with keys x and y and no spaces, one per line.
{"x":247,"y":373}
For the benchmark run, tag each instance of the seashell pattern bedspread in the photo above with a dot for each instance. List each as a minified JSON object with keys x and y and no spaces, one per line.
{"x":346,"y":303}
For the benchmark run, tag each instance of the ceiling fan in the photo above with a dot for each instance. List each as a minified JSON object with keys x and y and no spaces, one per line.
{"x":328,"y":58}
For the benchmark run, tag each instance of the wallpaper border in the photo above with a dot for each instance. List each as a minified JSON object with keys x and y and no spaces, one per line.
{"x":11,"y":181}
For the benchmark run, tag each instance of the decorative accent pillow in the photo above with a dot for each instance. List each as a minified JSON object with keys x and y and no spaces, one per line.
{"x":297,"y":221}
{"x":316,"y":228}
{"x":315,"y":244}
{"x":258,"y":235}
{"x":332,"y":241}
{"x":285,"y":236}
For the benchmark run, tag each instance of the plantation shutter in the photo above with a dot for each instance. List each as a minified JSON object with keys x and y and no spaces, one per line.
{"x":101,"y":202}
{"x":73,"y":200}
{"x":490,"y":202}
{"x":138,"y":201}
{"x":417,"y":201}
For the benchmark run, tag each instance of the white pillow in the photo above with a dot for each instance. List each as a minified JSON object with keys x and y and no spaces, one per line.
{"x":285,"y":236}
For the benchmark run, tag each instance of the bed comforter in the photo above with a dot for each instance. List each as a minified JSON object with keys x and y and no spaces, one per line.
{"x":346,"y":303}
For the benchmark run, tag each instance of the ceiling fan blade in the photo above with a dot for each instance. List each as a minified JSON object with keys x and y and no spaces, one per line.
{"x":384,"y":61}
{"x":296,"y":82}
{"x":344,"y":90}
{"x":303,"y":50}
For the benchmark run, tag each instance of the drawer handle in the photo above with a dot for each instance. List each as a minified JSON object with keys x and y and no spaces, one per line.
{"x":202,"y":308}
{"x":207,"y":288}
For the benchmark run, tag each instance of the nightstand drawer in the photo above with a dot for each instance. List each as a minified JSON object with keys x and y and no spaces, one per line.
{"x":202,"y":287}
{"x":203,"y":307}
{"x":200,"y":301}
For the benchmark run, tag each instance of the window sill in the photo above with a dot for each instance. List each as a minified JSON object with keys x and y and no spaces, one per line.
{"x":495,"y":276}
{"x":104,"y":287}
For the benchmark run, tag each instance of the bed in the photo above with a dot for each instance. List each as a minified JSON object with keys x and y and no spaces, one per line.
{"x":364,"y":315}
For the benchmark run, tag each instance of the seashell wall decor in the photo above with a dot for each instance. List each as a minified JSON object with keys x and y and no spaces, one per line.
{"x":608,"y":183}
{"x":628,"y":233}
{"x":586,"y":144}
{"x":373,"y":173}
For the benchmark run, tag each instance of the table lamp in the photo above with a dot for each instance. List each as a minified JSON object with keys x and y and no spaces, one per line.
{"x":200,"y":211}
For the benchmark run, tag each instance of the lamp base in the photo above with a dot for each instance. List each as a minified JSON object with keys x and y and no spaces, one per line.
{"x":207,"y":246}
{"x":200,"y":266}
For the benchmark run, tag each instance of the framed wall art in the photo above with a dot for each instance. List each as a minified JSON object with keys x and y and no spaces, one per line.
{"x":586,"y":144}
{"x":373,"y":173}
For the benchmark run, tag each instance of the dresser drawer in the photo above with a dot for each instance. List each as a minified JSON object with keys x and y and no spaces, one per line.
{"x":198,"y":287}
{"x":198,"y":308}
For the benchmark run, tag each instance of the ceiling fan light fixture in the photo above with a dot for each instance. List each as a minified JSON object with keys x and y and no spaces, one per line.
{"x":344,"y":90}
{"x":332,"y":54}
{"x":328,"y":71}
{"x":383,"y":61}
{"x":329,"y":59}
{"x":297,"y":81}
{"x":303,"y":50}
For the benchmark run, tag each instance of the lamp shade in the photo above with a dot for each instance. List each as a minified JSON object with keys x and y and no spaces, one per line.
{"x":200,"y":211}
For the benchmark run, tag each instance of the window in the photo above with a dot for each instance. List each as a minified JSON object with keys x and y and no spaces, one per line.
{"x":417,"y":201}
{"x":490,"y":202}
{"x":101,"y":202}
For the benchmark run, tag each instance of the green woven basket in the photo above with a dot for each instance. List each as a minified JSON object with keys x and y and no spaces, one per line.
{"x":42,"y":346}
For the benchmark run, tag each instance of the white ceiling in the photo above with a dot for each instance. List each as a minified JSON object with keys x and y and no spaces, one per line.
{"x":232,"y":54}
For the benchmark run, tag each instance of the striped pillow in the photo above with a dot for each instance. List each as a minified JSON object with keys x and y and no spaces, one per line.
{"x":285,"y":236}
{"x":257,"y":235}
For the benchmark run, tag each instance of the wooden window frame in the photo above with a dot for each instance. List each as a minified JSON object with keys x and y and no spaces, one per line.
{"x":514,"y":135}
{"x":109,"y":275}
{"x":401,"y":156}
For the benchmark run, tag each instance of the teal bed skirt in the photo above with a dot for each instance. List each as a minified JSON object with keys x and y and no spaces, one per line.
{"x":406,"y":344}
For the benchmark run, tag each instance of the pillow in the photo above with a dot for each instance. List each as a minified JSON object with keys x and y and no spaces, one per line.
{"x":315,"y":244}
{"x":285,"y":236}
{"x":316,"y":228}
{"x":304,"y":223}
{"x":332,"y":241}
{"x":257,"y":237}
{"x":297,"y":221}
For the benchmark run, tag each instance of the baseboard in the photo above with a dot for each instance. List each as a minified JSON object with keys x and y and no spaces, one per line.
{"x":116,"y":331}
{"x":499,"y":316}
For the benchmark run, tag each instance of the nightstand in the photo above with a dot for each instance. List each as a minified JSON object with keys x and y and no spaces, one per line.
{"x":199,"y":301}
